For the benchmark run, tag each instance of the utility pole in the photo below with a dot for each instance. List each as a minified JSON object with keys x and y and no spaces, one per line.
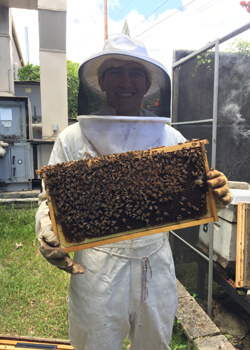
{"x":105,"y":21}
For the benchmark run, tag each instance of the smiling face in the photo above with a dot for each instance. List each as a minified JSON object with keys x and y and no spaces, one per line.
{"x":125,"y":87}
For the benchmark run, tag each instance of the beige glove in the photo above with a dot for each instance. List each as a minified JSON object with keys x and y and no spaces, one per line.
{"x":49,"y":247}
{"x":3,"y":151}
{"x":219,"y":183}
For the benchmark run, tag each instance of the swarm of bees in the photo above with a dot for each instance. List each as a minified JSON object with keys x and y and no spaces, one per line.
{"x":127,"y":191}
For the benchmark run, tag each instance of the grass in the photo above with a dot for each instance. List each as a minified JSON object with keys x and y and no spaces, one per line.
{"x":179,"y":340}
{"x":32,"y":292}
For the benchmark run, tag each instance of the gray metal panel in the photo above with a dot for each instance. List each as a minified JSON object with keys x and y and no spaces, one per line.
{"x":52,"y":30}
{"x":6,"y":62}
{"x":32,"y":91}
{"x":17,"y":165}
{"x":13,"y":119}
{"x":20,"y":162}
{"x":5,"y":169}
{"x":4,"y":21}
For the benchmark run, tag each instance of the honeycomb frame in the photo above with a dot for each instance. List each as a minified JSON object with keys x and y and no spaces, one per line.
{"x":210,"y":214}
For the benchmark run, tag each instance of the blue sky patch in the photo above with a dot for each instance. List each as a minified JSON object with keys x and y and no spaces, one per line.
{"x":145,"y":7}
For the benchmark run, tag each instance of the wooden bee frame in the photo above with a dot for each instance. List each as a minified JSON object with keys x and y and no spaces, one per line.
{"x":161,"y":224}
{"x":242,"y":270}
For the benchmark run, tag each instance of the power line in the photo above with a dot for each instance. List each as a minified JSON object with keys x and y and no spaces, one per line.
{"x":150,"y":14}
{"x":122,"y":10}
{"x":202,"y":8}
{"x":164,"y":19}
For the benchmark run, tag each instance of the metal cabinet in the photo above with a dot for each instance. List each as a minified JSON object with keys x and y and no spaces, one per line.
{"x":16,"y":167}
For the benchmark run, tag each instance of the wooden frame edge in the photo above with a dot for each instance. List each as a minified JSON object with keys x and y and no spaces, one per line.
{"x":137,"y":235}
{"x":240,"y":245}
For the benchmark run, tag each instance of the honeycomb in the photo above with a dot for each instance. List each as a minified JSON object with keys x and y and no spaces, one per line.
{"x":127,"y":191}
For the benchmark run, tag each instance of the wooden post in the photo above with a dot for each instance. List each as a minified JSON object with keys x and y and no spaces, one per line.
{"x":105,"y":21}
{"x":242,"y":271}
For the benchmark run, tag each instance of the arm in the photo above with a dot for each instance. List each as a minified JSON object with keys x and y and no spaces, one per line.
{"x":48,"y":242}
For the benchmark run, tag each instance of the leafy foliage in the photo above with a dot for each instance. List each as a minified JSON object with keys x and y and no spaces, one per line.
{"x":29,"y":72}
{"x":153,"y":105}
{"x":203,"y":60}
{"x":241,"y":46}
{"x":72,"y":85}
{"x":179,"y":340}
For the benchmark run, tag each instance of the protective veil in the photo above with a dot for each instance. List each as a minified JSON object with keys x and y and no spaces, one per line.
{"x":116,"y":134}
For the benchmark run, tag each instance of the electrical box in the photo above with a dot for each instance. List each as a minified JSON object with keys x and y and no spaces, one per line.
{"x":16,"y":167}
{"x":15,"y":119}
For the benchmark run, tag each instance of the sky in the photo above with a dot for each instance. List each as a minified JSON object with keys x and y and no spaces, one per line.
{"x":162,"y":25}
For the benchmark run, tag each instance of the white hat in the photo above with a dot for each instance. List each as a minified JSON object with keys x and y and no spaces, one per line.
{"x":123,"y":48}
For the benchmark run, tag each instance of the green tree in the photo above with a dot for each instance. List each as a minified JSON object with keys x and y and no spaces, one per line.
{"x":32,"y":73}
{"x":29,"y":72}
{"x":72,"y":85}
{"x":125,"y":29}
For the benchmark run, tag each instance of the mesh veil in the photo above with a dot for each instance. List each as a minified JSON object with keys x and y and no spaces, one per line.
{"x":159,"y":103}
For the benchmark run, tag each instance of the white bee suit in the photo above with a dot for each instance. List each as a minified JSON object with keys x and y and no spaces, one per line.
{"x":129,"y":287}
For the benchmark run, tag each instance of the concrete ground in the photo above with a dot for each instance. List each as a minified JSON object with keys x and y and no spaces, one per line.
{"x":197,"y":325}
{"x":20,"y":198}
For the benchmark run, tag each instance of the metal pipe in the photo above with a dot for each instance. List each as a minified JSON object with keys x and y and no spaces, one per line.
{"x":211,"y":45}
{"x":27,"y":44}
{"x":210,"y":271}
{"x":215,"y":104}
{"x":189,"y":245}
{"x":37,"y":126}
{"x":235,"y":32}
{"x":193,"y":122}
{"x":213,"y":163}
{"x":193,"y":54}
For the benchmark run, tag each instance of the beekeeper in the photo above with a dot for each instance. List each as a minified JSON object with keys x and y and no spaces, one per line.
{"x":126,"y":288}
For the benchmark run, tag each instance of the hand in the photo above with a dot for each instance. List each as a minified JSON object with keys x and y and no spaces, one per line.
{"x":219,"y":183}
{"x":49,"y":247}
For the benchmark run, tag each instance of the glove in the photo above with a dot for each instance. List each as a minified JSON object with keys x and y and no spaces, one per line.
{"x":3,"y":145}
{"x":49,"y":247}
{"x":219,"y":183}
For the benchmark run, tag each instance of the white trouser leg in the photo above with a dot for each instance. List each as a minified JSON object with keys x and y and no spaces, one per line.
{"x":105,"y":304}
